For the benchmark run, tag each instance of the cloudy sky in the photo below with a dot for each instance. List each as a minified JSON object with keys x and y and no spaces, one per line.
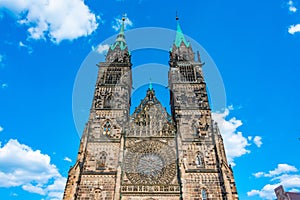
{"x":254,"y":45}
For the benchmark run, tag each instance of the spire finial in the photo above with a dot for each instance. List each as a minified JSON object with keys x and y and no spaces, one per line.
{"x":179,"y":35}
{"x":150,"y":85}
{"x":177,"y":18}
{"x":120,"y":41}
{"x":123,"y":23}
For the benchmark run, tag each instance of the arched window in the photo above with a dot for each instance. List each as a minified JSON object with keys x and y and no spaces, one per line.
{"x":204,"y":194}
{"x":101,"y":160}
{"x":107,"y":128}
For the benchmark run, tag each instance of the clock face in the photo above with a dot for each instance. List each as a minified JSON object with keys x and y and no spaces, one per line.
{"x":150,"y":162}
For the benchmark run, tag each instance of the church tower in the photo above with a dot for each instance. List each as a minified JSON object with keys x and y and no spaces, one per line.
{"x":151,"y":154}
{"x":97,"y":171}
{"x":204,"y":171}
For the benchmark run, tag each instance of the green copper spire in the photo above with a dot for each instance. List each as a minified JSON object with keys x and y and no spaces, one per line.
{"x":150,"y":85}
{"x":179,"y":35}
{"x":120,"y":38}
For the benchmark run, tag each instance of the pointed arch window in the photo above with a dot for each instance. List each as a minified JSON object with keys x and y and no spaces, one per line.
{"x":107,"y":128}
{"x":204,"y":194}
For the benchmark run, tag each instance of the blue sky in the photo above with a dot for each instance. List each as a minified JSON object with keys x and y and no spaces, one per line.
{"x":255,"y":46}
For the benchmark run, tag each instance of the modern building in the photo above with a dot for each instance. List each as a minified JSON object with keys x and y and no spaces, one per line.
{"x":151,"y":154}
{"x":282,"y":195}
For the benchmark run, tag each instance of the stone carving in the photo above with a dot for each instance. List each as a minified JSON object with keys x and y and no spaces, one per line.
{"x":101,"y":161}
{"x":98,"y":194}
{"x":199,"y":160}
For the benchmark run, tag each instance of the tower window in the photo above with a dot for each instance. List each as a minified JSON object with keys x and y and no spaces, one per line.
{"x":112,"y":75}
{"x":106,"y":128}
{"x":204,"y":194}
{"x":187,"y":74}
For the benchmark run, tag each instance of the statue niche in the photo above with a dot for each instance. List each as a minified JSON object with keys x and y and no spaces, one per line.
{"x":101,"y":161}
{"x":108,"y":101}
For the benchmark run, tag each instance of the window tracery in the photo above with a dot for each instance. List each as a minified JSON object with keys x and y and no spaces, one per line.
{"x":107,"y":128}
{"x":113,"y":75}
{"x":187,"y":74}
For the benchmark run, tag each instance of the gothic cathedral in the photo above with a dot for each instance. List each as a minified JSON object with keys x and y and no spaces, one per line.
{"x":151,"y":154}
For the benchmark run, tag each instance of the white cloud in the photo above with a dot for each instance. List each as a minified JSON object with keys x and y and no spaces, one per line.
{"x":234,"y":141}
{"x":294,"y":29}
{"x":293,"y":9}
{"x":267,"y":192}
{"x":67,"y":159}
{"x":281,"y":168}
{"x":4,"y":85}
{"x":284,"y":175}
{"x":1,"y":129}
{"x":101,"y":48}
{"x":33,"y":189}
{"x":291,"y":6}
{"x":30,"y":169}
{"x":230,"y":107}
{"x":116,"y":25}
{"x":29,"y":48}
{"x":258,"y":174}
{"x":58,"y":20}
{"x":295,"y":190}
{"x":2,"y":57}
{"x":14,"y":194}
{"x":21,"y":44}
{"x":257,"y":141}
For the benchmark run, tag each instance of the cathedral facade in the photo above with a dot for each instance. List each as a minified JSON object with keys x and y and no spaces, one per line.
{"x":151,"y":154}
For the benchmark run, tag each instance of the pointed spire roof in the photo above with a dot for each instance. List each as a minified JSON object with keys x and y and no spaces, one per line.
{"x":118,"y":51}
{"x":120,"y":38}
{"x":150,"y":85}
{"x":180,"y":36}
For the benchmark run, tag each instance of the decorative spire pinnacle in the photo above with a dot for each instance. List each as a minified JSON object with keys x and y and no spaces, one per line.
{"x":121,"y":37}
{"x":177,"y":18}
{"x":150,"y":85}
{"x":123,"y":24}
{"x":179,"y":35}
{"x":118,"y":51}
